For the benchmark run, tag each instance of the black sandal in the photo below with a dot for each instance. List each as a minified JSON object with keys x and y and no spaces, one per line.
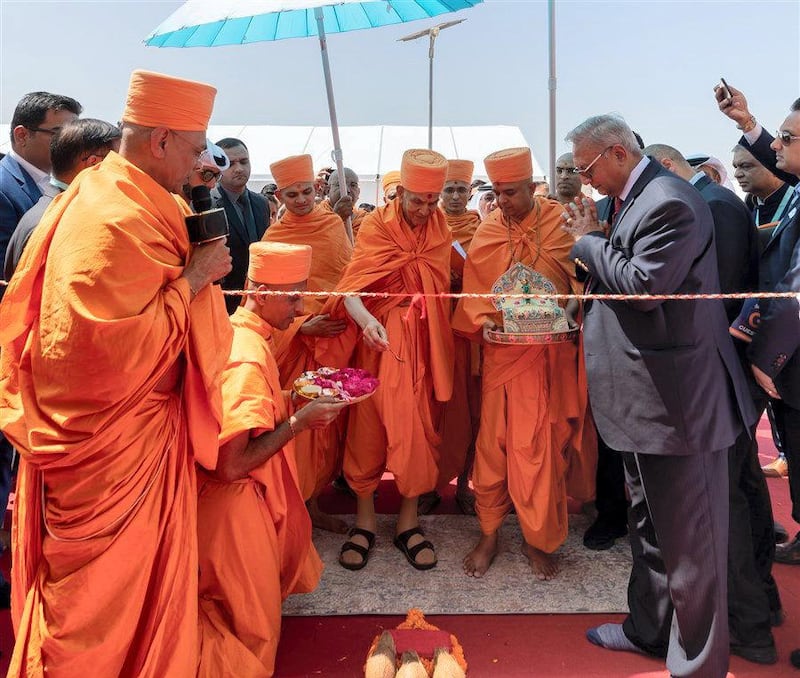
{"x":350,"y":545}
{"x":401,"y":542}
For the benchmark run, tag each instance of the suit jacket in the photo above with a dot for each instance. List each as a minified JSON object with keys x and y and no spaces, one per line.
{"x":664,"y":377}
{"x":22,"y":234}
{"x":239,"y":240}
{"x":735,"y":240}
{"x":775,"y":346}
{"x":18,"y":193}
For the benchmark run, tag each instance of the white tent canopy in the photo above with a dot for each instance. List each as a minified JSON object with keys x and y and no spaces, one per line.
{"x":370,"y":151}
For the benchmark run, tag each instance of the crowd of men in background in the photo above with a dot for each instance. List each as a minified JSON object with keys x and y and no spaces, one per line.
{"x":155,"y":416}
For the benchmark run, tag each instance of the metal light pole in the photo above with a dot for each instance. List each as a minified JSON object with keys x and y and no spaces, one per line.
{"x":551,"y":86}
{"x":432,"y":33}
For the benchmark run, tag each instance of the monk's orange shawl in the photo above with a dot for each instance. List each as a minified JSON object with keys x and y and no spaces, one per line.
{"x":96,"y":315}
{"x":392,"y":257}
{"x":462,"y":227}
{"x":254,"y":402}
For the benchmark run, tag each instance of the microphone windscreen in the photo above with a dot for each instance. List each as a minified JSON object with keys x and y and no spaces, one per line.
{"x":201,"y":198}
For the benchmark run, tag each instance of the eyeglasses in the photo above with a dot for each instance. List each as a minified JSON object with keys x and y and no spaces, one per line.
{"x":51,"y":132}
{"x":566,"y":170}
{"x":786,"y":137}
{"x":207,"y":175}
{"x":197,"y":151}
{"x":585,"y":171}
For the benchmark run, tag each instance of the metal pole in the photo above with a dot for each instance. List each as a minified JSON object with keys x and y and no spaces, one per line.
{"x":337,"y":146}
{"x":551,"y":86}
{"x":433,"y":35}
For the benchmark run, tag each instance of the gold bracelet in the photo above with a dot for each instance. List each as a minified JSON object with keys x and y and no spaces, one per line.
{"x":292,"y":421}
{"x":749,"y":124}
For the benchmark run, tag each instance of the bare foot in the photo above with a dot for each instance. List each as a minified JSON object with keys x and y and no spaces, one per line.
{"x":325,"y":521}
{"x":478,"y":561}
{"x":544,"y":565}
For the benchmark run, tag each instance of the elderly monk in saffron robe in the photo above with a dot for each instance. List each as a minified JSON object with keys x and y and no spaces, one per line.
{"x":307,"y":222}
{"x":255,"y":535}
{"x":462,"y":414}
{"x":344,"y":205}
{"x":533,"y":400}
{"x":403,"y":248}
{"x":113,"y":345}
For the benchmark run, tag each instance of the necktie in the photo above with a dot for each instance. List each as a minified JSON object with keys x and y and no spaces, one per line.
{"x":617,"y":208}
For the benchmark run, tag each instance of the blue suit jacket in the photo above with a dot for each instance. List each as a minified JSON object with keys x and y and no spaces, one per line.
{"x":18,"y":193}
{"x":664,"y":377}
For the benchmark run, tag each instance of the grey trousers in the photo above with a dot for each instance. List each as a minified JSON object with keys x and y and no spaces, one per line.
{"x":679,"y":540}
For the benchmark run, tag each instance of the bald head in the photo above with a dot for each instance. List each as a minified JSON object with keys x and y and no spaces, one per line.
{"x":568,"y":183}
{"x":353,"y":188}
{"x":672,"y":159}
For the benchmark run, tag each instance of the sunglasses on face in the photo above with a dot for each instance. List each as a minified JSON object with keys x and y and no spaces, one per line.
{"x":786,"y":137}
{"x":207,"y":175}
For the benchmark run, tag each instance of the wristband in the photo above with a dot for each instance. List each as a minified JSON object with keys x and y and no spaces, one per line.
{"x":292,"y":421}
{"x":748,"y":125}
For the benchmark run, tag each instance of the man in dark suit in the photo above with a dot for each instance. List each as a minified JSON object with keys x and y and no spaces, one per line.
{"x":24,"y":172}
{"x":667,"y":390}
{"x":773,"y":353}
{"x":80,"y":144}
{"x":247,"y":212}
{"x":768,"y":199}
{"x":753,"y":599}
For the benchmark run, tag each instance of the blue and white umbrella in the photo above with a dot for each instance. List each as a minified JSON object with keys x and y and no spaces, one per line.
{"x":206,"y":23}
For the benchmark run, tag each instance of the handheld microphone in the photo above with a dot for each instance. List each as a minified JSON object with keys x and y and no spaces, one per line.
{"x":207,"y":224}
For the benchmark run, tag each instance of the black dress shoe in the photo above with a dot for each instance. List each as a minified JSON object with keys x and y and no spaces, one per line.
{"x":781,"y":534}
{"x":758,"y":655}
{"x":602,"y":534}
{"x":794,"y":658}
{"x":789,"y":553}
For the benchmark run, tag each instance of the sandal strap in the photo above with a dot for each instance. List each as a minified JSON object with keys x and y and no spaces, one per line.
{"x":413,"y":551}
{"x":369,"y":536}
{"x":405,"y":536}
{"x":352,"y":546}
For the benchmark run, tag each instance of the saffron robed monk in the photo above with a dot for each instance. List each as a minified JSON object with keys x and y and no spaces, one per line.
{"x":113,"y":344}
{"x":535,"y":433}
{"x":255,"y":535}
{"x":403,"y":248}
{"x":306,"y":221}
{"x":462,"y":413}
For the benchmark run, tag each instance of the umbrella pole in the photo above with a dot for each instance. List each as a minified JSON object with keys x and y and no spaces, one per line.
{"x":337,"y":147}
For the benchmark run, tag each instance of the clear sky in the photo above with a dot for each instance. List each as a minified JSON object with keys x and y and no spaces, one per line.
{"x":653,"y":62}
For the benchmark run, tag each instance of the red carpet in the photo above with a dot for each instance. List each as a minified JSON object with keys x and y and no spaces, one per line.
{"x":509,"y":646}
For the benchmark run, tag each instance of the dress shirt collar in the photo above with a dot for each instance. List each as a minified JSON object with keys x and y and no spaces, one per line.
{"x":41,"y":179}
{"x":696,"y":178}
{"x":636,"y":172}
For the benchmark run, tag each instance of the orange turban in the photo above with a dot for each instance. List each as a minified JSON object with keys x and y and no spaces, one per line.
{"x":460,"y":170}
{"x":296,"y":169}
{"x":509,"y":165}
{"x":390,"y":179}
{"x":278,"y":263}
{"x":423,"y":171}
{"x":157,"y":100}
